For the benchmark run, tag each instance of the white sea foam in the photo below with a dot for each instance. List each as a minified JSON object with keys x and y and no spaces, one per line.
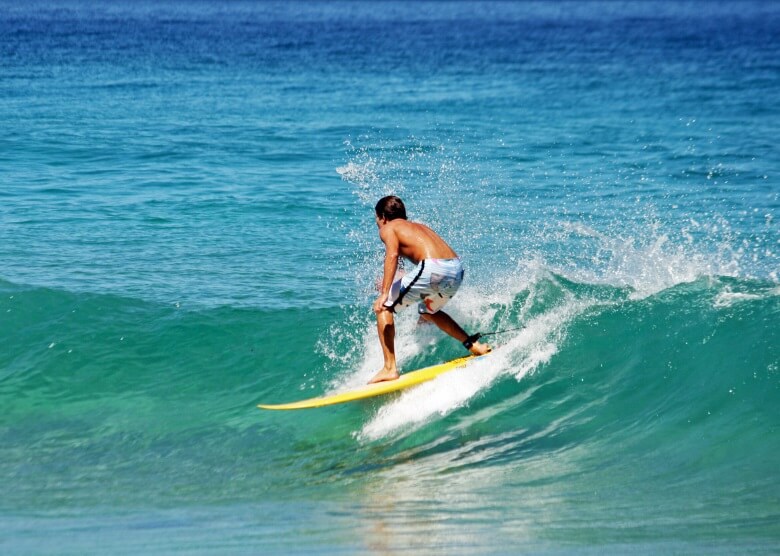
{"x":363,"y":175}
{"x":648,"y":260}
{"x":521,"y":354}
{"x":728,"y":298}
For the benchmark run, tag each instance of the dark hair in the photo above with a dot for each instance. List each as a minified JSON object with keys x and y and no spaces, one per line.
{"x":390,"y":207}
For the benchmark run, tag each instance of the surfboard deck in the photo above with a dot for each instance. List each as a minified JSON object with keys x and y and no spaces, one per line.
{"x":406,"y":380}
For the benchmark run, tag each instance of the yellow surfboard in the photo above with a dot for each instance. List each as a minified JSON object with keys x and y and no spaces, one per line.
{"x":369,"y":391}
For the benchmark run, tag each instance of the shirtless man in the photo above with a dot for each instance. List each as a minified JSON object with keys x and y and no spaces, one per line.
{"x":431,"y":283}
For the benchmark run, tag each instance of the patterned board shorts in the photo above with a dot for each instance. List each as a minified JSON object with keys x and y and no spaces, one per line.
{"x":430,"y":284}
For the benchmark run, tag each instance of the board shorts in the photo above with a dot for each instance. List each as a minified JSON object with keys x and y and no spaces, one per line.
{"x":430,"y":284}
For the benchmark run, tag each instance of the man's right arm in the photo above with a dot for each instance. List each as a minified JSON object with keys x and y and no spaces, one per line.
{"x":390,"y":239}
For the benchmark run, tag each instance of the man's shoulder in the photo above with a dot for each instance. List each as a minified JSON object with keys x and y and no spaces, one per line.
{"x":401,"y":224}
{"x":395,"y":228}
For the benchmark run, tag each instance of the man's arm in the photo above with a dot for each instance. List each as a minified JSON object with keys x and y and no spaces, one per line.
{"x":390,"y":239}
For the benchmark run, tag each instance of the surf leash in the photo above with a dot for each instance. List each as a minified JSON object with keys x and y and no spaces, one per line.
{"x":405,"y":290}
{"x":469,"y":342}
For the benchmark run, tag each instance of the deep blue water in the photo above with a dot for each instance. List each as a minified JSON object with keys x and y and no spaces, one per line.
{"x":186,"y":230}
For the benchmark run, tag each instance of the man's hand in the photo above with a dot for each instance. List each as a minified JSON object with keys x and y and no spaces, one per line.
{"x":379,"y":304}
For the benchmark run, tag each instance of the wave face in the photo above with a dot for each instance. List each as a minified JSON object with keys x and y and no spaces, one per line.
{"x":664,"y":406}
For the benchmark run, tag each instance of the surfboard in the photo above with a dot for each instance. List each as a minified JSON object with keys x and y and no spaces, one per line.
{"x":406,"y":380}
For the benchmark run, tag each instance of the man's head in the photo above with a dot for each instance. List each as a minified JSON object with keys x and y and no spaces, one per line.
{"x":390,"y":208}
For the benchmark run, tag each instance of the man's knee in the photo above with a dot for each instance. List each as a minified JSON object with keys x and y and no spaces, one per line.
{"x":438,"y":316}
{"x":384,"y":317}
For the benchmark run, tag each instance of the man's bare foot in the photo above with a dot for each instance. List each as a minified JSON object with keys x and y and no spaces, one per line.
{"x":480,"y":349}
{"x":385,"y":375}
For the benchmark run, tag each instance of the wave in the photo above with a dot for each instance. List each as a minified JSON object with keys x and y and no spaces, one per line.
{"x":93,"y":342}
{"x":594,"y":373}
{"x":713,"y":331}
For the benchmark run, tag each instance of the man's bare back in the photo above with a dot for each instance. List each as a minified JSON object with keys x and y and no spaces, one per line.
{"x":416,"y":241}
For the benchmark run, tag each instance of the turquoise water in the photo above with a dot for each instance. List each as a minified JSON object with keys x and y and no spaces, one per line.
{"x":186,"y":230}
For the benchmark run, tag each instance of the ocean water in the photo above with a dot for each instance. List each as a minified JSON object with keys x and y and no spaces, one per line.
{"x":186,"y":230}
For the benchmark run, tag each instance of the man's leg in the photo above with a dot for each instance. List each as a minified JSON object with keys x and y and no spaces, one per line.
{"x":448,"y":325}
{"x":385,"y":326}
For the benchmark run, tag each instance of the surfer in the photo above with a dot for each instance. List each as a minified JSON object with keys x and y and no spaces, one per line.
{"x":431,"y":283}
